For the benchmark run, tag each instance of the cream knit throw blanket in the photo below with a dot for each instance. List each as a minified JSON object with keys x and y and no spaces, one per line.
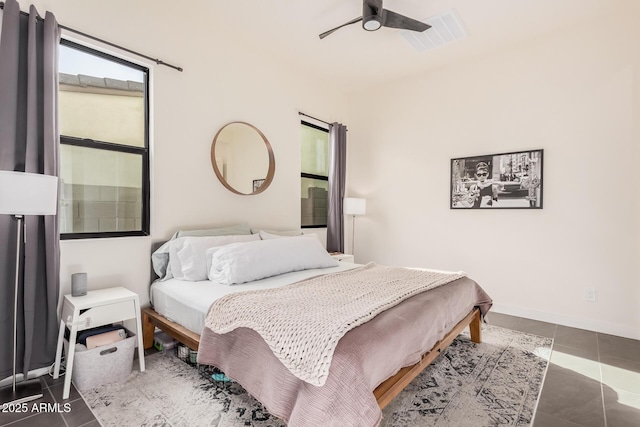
{"x":303,"y":322}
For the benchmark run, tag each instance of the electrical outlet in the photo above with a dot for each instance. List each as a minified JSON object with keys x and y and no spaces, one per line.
{"x":590,"y":294}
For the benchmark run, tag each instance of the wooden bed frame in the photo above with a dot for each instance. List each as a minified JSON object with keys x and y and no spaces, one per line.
{"x":384,"y":393}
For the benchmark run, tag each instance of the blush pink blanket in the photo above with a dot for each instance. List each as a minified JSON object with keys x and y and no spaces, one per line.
{"x":363,"y":358}
{"x":304,"y":333}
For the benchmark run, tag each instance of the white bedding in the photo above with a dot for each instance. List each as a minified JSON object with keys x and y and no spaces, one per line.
{"x":187,"y":303}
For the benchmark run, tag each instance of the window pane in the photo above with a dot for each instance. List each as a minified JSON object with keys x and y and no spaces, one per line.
{"x":315,"y":151}
{"x":101,"y":190}
{"x":101,"y":99}
{"x":314,"y":202}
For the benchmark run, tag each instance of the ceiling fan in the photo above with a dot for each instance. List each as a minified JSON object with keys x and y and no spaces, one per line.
{"x":374,"y":16}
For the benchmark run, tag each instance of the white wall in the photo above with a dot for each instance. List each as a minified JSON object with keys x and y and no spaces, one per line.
{"x":224,"y":80}
{"x":576,"y":95}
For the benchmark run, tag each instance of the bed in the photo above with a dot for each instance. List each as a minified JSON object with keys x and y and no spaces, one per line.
{"x":371,"y":363}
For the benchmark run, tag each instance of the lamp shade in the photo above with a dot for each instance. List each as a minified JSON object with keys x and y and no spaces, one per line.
{"x":24,"y":193}
{"x":354,"y":206}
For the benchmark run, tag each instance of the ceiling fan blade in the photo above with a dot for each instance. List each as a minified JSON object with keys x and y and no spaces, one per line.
{"x":353,"y":21}
{"x":395,"y":20}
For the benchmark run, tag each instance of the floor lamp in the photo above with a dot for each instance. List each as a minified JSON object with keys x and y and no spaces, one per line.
{"x":354,"y":207}
{"x":23,"y":194}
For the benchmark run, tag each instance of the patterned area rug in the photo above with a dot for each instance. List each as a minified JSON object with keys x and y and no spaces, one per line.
{"x":495,"y":383}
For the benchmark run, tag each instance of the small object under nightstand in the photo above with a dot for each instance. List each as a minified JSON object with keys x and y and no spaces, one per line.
{"x":338,"y":256}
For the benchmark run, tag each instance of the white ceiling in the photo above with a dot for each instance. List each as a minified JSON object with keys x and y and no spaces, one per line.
{"x":355,"y":59}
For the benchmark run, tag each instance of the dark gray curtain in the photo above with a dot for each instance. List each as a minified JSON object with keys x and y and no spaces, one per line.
{"x":29,"y":141}
{"x":337,"y":177}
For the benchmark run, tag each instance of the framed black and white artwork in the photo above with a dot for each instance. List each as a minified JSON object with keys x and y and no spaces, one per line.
{"x":497,"y":181}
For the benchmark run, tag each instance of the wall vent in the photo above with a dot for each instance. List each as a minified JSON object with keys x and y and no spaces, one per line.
{"x":445,"y":28}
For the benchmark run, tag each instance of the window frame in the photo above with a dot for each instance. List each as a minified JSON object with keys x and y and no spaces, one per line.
{"x":143,"y":152}
{"x":314,"y":176}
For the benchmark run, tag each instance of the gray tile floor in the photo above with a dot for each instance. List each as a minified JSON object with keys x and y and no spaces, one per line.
{"x":76,"y":415}
{"x":593,"y":380}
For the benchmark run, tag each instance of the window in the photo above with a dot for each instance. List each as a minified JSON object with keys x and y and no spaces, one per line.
{"x":104,"y":144}
{"x":314,"y":179}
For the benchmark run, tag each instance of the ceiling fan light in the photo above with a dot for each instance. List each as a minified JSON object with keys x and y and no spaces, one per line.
{"x":371,"y":23}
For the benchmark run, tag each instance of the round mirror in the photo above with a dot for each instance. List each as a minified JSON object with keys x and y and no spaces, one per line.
{"x":242,"y":158}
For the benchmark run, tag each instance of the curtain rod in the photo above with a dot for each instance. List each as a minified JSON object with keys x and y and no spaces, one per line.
{"x":314,"y":118}
{"x":156,"y":60}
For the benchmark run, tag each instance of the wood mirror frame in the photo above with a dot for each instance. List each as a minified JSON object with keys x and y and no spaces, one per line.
{"x":271,"y":168}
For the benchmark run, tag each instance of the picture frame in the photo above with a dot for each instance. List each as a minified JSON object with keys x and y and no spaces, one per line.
{"x":257,"y":183}
{"x":498,"y":181}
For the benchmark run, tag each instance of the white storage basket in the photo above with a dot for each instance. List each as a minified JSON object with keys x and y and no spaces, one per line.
{"x":103,"y":365}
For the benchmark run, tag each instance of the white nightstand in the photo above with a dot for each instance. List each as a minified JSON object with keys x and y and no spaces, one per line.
{"x":343,"y":257}
{"x":97,"y":308}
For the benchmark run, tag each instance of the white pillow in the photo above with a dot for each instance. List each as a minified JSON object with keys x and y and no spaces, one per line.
{"x":160,"y":258}
{"x":246,"y":262}
{"x":187,"y":255}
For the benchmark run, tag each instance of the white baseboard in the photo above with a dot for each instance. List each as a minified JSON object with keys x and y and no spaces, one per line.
{"x":626,"y":331}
